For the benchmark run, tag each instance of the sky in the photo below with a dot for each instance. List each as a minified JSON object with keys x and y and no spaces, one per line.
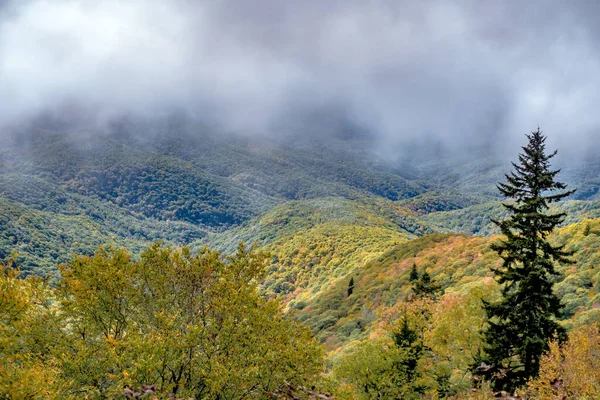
{"x":452,"y":71}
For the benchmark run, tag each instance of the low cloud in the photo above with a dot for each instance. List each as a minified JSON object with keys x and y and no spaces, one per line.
{"x":461,"y":72}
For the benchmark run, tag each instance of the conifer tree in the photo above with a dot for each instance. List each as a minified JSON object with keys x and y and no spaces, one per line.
{"x":524,"y":320}
{"x":411,"y":343}
{"x":414,"y":274}
{"x":426,"y":287}
{"x":351,"y":286}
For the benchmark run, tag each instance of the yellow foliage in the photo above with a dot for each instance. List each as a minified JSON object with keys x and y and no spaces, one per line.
{"x":191,"y":324}
{"x":570,"y":370}
{"x":454,"y":336}
{"x":27,"y":370}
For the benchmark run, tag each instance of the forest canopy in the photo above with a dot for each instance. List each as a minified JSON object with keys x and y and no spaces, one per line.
{"x":173,"y":322}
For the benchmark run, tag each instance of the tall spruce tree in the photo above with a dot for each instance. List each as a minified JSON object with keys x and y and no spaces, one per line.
{"x":523,"y":321}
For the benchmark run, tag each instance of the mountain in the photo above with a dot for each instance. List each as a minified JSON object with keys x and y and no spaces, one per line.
{"x":176,"y":187}
{"x":326,"y":209}
{"x":69,"y":191}
{"x":342,"y":224}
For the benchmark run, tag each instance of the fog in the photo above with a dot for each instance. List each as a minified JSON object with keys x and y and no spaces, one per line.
{"x":457,"y":72}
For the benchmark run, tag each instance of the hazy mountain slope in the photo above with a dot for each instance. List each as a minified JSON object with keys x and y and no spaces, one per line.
{"x":43,"y":239}
{"x":434,"y":201}
{"x":127,"y":183}
{"x":285,"y":168}
{"x":176,"y":180}
{"x":294,"y":216}
{"x":153,"y":185}
{"x":477,"y":219}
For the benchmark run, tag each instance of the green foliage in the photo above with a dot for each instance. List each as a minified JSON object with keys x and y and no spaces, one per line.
{"x":329,"y":214}
{"x":314,"y":241}
{"x":180,"y":182}
{"x":366,"y":370}
{"x":455,"y":262}
{"x":382,"y":282}
{"x":392,"y":366}
{"x":292,"y":171}
{"x":473,"y":220}
{"x":142,"y":182}
{"x":569,"y":369}
{"x":458,"y":263}
{"x":173,"y":187}
{"x":409,"y":340}
{"x":578,"y":289}
{"x":521,"y":324}
{"x":454,"y":337}
{"x":295,"y":217}
{"x":432,"y":202}
{"x":378,"y":369}
{"x":44,"y":239}
{"x":425,"y":350}
{"x":477,"y":219}
{"x":191,"y":324}
{"x":186,"y":324}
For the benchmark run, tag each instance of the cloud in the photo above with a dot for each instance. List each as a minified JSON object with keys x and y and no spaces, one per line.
{"x":457,"y":71}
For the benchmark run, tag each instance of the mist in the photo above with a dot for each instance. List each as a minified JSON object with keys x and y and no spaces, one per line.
{"x":455,"y":72}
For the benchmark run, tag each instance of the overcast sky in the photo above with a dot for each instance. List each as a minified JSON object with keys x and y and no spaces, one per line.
{"x":450,"y":70}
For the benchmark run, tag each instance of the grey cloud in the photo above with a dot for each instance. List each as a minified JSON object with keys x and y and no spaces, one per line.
{"x":458,"y":71}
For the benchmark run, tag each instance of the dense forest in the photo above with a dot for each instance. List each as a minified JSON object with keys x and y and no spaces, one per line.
{"x":126,"y":274}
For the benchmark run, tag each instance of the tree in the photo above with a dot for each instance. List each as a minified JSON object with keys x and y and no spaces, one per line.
{"x":365,"y":370}
{"x":172,"y":324}
{"x":28,"y":335}
{"x":523,"y":321}
{"x":570,"y":369}
{"x":426,"y":287}
{"x":410,"y":342}
{"x":587,"y":230}
{"x":389,"y":367}
{"x":188,"y":324}
{"x":414,"y":274}
{"x":454,"y":338}
{"x":351,"y":286}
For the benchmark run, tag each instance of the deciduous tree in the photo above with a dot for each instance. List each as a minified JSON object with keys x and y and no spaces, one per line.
{"x":189,"y":324}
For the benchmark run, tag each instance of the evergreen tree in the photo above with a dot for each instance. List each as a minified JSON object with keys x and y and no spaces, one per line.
{"x":426,"y":287}
{"x":523,"y":321}
{"x":351,"y":286}
{"x":414,"y":274}
{"x":410,"y":342}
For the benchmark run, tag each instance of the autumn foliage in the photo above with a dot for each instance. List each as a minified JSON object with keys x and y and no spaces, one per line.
{"x":190,"y":325}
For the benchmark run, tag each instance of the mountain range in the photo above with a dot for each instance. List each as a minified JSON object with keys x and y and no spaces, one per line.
{"x":326,"y":210}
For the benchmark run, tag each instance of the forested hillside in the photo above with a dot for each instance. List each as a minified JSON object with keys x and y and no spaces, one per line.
{"x":131,"y":187}
{"x":348,"y":238}
{"x":458,"y":263}
{"x":353,"y":295}
{"x":179,"y":182}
